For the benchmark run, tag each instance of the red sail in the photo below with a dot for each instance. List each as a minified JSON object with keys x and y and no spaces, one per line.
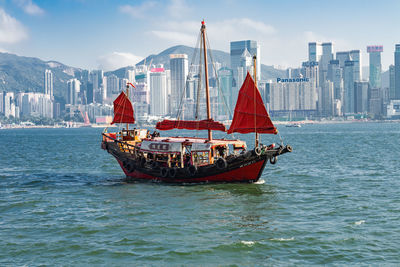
{"x":123,"y":110}
{"x":250,"y":113}
{"x":191,"y":125}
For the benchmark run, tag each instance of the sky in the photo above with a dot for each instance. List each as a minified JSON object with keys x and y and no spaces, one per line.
{"x":110,"y":34}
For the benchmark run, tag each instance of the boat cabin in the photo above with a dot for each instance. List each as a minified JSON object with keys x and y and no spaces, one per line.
{"x":182,"y":152}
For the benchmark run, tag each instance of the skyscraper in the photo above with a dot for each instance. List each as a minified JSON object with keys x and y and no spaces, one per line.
{"x":397,"y":72}
{"x":361,"y":97}
{"x":158,"y":92}
{"x":392,"y":89}
{"x":314,"y":52}
{"x":237,"y":49}
{"x":179,"y":70}
{"x":375,"y":67}
{"x":48,"y":83}
{"x":74,"y":88}
{"x":349,"y":86}
{"x":355,"y":56}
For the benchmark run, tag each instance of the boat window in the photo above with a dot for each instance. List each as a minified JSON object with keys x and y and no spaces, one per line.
{"x":200,"y":158}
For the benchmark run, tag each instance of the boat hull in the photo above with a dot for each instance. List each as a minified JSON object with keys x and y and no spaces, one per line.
{"x":245,"y":168}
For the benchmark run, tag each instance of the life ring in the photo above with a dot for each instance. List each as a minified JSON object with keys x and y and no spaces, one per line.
{"x":257,"y":150}
{"x":192,"y":170}
{"x":172,"y":172}
{"x":221,"y":163}
{"x":289,"y":148}
{"x":164,"y":172}
{"x":130,"y":167}
{"x":273,"y":160}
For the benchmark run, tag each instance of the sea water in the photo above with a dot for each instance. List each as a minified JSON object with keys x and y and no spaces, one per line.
{"x":334,"y":200}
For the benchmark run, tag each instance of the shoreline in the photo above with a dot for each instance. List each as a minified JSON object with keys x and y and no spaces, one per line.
{"x":304,"y":122}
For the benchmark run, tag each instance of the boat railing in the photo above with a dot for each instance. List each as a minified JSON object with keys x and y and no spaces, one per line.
{"x":124,"y":146}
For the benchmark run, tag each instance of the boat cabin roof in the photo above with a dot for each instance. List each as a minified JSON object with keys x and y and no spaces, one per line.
{"x":175,"y":144}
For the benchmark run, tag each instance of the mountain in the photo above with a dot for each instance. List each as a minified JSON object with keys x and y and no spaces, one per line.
{"x":267,"y":72}
{"x":25,"y":74}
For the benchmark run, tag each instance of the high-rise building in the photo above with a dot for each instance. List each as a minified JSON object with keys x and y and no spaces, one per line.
{"x":314,"y":52}
{"x":335,"y":75}
{"x":237,"y":49}
{"x":342,"y":57}
{"x":113,"y":84}
{"x":355,"y":56}
{"x":397,"y":72}
{"x":179,"y":71}
{"x":225,"y":76}
{"x":375,"y":67}
{"x":48,"y":83}
{"x":348,"y":77}
{"x":361,"y":100}
{"x":158,"y":92}
{"x":74,"y":88}
{"x":392,"y":89}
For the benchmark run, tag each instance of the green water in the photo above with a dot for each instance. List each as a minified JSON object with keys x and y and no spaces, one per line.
{"x":334,"y":201}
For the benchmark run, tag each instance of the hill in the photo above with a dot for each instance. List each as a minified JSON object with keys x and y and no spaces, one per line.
{"x":267,"y":72}
{"x":25,"y":74}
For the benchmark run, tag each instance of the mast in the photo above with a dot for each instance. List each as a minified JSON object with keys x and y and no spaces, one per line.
{"x":257,"y":137}
{"x":127,"y":94}
{"x":203,"y":35}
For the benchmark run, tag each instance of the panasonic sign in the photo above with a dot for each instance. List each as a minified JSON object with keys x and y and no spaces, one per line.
{"x":294,"y":80}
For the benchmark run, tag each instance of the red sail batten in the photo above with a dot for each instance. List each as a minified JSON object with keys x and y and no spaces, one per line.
{"x":247,"y":117}
{"x":123,"y":110}
{"x":191,"y":125}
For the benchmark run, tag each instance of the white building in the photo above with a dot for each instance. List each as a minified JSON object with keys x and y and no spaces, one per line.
{"x":158,"y":92}
{"x":179,"y":70}
{"x":48,"y":83}
{"x":74,"y":88}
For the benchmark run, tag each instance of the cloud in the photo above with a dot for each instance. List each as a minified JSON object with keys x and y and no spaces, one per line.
{"x":220,"y":32}
{"x":29,"y":7}
{"x":117,"y":60}
{"x":138,"y":11}
{"x":176,"y":37}
{"x":11,"y":30}
{"x":177,"y":8}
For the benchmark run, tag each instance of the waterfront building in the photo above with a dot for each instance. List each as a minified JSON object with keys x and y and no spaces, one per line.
{"x":113,"y":84}
{"x":158,"y":92}
{"x":392,"y":88}
{"x":325,"y":58}
{"x":179,"y":71}
{"x":375,"y":66}
{"x":130,"y":75}
{"x":348,"y":77}
{"x":314,"y":52}
{"x":393,"y":109}
{"x":297,"y":98}
{"x":335,"y":75}
{"x":48,"y":83}
{"x":225,"y":76}
{"x":397,"y":72}
{"x":236,"y":52}
{"x":355,"y":56}
{"x":342,"y":57}
{"x":361,"y":100}
{"x":74,"y":88}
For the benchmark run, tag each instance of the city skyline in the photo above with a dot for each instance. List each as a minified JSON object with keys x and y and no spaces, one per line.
{"x":92,"y":34}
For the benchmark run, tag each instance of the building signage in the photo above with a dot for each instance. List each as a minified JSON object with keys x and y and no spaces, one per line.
{"x":374,"y":48}
{"x":294,"y":80}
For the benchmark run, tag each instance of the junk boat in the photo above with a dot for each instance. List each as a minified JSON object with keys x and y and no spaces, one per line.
{"x":146,"y":156}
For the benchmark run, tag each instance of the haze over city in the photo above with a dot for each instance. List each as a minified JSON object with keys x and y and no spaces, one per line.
{"x":108,"y":35}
